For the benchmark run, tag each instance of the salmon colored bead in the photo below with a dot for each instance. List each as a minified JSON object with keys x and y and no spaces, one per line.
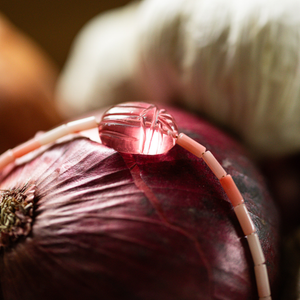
{"x":256,"y":250}
{"x":6,"y":158}
{"x":231,"y":190}
{"x":244,"y":219}
{"x":214,"y":165}
{"x":190,"y":145}
{"x":262,"y":281}
{"x":25,"y":148}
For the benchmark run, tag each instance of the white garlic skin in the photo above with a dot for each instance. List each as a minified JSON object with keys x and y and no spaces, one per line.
{"x":236,"y":62}
{"x":101,"y":63}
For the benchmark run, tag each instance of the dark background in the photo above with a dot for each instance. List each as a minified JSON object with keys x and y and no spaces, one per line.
{"x":54,"y":24}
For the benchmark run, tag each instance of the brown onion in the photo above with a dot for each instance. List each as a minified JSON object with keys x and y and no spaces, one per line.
{"x":27,"y":80}
{"x":107,"y":225}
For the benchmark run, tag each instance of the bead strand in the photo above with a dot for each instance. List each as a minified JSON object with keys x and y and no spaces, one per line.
{"x":46,"y":138}
{"x":195,"y":148}
{"x":240,"y":209}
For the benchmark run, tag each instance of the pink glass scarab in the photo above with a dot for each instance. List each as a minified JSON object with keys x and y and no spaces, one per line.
{"x":138,"y":128}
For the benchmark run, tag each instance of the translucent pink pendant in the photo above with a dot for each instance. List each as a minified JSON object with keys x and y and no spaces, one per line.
{"x":138,"y":128}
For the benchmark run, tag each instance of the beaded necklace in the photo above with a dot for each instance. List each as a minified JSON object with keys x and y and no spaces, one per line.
{"x":142,"y":128}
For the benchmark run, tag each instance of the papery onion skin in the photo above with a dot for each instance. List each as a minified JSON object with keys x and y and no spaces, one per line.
{"x":115,"y":226}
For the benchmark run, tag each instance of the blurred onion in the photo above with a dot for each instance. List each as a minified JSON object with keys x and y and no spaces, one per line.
{"x":113,"y":226}
{"x":27,"y":79}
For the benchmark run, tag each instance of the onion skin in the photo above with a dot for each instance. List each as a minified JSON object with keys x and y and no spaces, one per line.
{"x":115,"y":226}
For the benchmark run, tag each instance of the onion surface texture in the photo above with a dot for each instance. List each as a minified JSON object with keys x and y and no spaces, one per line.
{"x":107,"y":225}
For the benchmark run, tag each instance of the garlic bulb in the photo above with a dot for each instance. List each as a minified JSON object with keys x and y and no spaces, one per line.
{"x":236,"y":62}
{"x":102,"y":62}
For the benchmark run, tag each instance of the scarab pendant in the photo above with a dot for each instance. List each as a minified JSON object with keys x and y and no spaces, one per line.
{"x":138,"y":128}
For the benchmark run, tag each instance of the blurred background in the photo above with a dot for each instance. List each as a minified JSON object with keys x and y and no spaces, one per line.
{"x":54,"y":24}
{"x":35,"y":40}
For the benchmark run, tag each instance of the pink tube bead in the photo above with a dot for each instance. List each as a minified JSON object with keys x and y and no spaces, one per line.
{"x":6,"y":158}
{"x":244,"y":219}
{"x":53,"y":135}
{"x":25,"y":148}
{"x":190,"y":145}
{"x":231,"y":190}
{"x":82,"y":124}
{"x":256,"y":250}
{"x":214,"y":165}
{"x":262,"y":281}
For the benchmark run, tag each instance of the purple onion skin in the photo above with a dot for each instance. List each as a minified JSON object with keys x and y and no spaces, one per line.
{"x":115,"y":226}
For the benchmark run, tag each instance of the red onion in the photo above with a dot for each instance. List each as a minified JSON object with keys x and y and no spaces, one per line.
{"x":107,"y":225}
